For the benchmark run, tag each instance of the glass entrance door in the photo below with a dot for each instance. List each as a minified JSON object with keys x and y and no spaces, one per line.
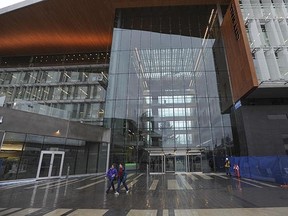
{"x":50,"y":164}
{"x":194,"y":163}
{"x":180,"y":163}
{"x":156,"y":164}
{"x":169,"y":163}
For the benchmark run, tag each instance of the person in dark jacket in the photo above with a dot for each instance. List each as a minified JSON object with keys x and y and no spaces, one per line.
{"x":122,"y":176}
{"x":111,"y":175}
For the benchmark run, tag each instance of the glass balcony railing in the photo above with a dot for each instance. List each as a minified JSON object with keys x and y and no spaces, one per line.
{"x":33,"y":107}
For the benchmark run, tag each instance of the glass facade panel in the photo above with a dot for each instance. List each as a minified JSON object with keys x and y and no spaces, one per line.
{"x":93,"y":158}
{"x":20,"y":154}
{"x":156,"y":164}
{"x":169,"y":163}
{"x":70,"y":90}
{"x":162,"y":91}
{"x":30,"y":156}
{"x":45,"y":165}
{"x":56,"y":165}
{"x":181,"y":164}
{"x":10,"y":155}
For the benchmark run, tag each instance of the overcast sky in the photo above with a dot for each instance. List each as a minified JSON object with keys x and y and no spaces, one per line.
{"x":5,"y":3}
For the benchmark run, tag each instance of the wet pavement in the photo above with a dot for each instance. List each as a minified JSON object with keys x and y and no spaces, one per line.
{"x":169,"y":194}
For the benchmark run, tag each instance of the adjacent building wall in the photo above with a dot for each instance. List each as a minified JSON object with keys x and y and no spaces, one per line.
{"x":25,"y":122}
{"x":265,"y":129}
{"x":25,"y":135}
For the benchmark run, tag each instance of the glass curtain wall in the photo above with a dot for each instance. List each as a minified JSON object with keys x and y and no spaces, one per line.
{"x":162,"y":92}
{"x":20,"y":154}
{"x":71,"y":92}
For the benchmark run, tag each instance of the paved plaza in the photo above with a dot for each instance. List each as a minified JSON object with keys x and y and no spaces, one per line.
{"x":170,"y":194}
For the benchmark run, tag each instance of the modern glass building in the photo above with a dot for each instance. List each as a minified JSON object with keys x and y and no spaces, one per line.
{"x":162,"y":101}
{"x":71,"y":86}
{"x":54,"y":90}
{"x":163,"y":86}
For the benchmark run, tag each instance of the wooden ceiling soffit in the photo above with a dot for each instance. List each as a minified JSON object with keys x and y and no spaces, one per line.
{"x":68,"y":26}
{"x":157,"y":3}
{"x":55,"y":26}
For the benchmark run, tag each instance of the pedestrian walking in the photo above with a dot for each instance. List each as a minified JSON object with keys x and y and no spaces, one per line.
{"x":122,"y":176}
{"x":111,"y":175}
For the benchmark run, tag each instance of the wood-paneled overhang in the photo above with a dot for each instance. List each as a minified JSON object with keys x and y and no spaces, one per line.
{"x":242,"y":72}
{"x":68,"y":26}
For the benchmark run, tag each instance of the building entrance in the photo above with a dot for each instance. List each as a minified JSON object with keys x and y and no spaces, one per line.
{"x":50,"y":164}
{"x":156,"y":164}
{"x":194,"y":163}
{"x":170,"y":163}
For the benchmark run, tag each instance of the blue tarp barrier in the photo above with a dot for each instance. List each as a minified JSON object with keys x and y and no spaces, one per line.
{"x":268,"y":168}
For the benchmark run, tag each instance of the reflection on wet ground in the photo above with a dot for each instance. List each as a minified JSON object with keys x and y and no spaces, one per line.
{"x":169,"y":194}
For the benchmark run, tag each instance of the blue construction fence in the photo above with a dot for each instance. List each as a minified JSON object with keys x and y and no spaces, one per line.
{"x":267,"y":168}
